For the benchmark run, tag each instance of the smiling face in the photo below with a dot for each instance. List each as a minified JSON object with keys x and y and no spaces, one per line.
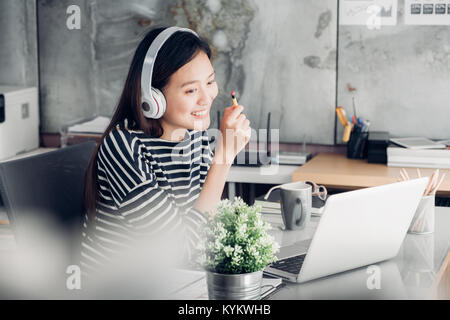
{"x":189,"y":96}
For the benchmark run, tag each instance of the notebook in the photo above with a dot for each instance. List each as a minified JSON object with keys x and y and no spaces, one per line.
{"x":273,"y":206}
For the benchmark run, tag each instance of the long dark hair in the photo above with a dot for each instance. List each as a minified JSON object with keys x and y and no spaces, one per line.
{"x":178,"y":50}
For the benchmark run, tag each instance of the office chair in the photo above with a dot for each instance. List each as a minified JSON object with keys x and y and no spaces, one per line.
{"x":43,"y":198}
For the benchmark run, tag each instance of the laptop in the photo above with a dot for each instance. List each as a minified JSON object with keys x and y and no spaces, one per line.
{"x":357,"y":228}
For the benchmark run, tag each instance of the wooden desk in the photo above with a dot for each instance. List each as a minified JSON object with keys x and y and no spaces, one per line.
{"x":336,"y":171}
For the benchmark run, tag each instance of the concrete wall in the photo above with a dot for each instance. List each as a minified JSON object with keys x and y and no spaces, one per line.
{"x":280,"y":56}
{"x":68,"y":90}
{"x":18,"y":43}
{"x":83,"y":71}
{"x":401,"y":74}
{"x":289,"y":67}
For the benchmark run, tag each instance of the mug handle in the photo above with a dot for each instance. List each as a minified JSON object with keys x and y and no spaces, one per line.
{"x":270,"y":191}
{"x":298,"y":218}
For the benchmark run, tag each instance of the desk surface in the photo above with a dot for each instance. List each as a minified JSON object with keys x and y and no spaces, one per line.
{"x":337,"y":171}
{"x":410,"y":275}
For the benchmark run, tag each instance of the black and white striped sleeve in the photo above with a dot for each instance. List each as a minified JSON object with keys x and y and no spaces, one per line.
{"x":146,"y":207}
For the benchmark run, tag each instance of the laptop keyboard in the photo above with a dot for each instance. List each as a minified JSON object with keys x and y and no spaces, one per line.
{"x":292,"y":265}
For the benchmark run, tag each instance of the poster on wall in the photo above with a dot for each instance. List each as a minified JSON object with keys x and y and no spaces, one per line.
{"x":427,"y":12}
{"x":370,"y":13}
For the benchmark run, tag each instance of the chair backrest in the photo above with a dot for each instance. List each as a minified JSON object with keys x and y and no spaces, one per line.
{"x":44,"y":193}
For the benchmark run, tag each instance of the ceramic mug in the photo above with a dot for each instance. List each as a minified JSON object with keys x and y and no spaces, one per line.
{"x":296,"y":203}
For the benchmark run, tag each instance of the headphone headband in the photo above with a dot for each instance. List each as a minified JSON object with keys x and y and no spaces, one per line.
{"x":155,"y":111}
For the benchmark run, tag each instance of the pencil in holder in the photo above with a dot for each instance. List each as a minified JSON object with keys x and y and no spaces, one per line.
{"x":357,"y":145}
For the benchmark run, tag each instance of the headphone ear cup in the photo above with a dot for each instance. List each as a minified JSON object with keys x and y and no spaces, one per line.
{"x":158,"y":103}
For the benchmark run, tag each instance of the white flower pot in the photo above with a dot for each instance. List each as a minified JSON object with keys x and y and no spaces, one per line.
{"x":245,"y":286}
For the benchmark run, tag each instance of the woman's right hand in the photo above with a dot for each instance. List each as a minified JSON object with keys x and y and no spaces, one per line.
{"x":236,"y":132}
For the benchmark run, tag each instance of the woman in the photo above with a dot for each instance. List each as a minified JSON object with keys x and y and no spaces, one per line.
{"x":158,"y":176}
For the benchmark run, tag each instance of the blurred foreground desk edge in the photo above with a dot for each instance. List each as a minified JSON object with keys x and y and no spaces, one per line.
{"x":336,"y":171}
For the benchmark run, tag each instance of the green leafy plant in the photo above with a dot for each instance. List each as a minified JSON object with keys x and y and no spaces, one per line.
{"x":236,"y":240}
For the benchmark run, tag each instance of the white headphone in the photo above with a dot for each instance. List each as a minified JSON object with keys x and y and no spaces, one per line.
{"x":153,"y":101}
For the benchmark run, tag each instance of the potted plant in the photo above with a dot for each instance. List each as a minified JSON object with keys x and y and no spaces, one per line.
{"x":235,"y":251}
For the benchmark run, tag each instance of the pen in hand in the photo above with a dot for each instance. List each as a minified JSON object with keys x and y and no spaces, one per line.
{"x":233,"y":98}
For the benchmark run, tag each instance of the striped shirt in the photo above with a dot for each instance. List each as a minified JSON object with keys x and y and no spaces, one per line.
{"x":147,"y":186}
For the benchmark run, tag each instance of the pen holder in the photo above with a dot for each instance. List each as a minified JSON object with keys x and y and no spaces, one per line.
{"x":423,"y":221}
{"x":357,"y":145}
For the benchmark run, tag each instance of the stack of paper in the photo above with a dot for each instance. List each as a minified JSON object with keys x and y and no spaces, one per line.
{"x":269,"y":206}
{"x":418,"y":143}
{"x":271,"y":210}
{"x":97,"y":125}
{"x":418,"y":158}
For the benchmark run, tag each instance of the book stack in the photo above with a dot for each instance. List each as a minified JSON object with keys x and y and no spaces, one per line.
{"x":271,"y":211}
{"x":82,"y":131}
{"x":271,"y":208}
{"x":418,"y":158}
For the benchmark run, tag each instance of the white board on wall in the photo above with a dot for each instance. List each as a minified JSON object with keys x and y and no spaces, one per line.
{"x":371,"y":13}
{"x":427,"y":12}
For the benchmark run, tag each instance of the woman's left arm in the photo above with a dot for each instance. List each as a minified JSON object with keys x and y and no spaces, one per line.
{"x":212,"y":188}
